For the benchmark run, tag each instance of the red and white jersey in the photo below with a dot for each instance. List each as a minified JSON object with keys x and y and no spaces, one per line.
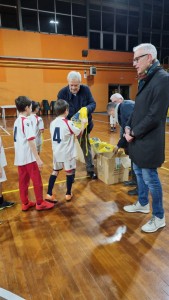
{"x":23,"y":132}
{"x":62,"y":135}
{"x":3,"y":162}
{"x":38,"y":127}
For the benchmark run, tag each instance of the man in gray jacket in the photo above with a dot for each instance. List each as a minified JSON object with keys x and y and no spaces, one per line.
{"x":145,"y":133}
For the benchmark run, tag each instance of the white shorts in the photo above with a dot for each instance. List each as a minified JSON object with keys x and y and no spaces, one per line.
{"x":3,"y":177}
{"x":67,"y":165}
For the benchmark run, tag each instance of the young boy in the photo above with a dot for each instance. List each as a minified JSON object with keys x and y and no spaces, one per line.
{"x":27,"y":158}
{"x":63,"y":146}
{"x":3,"y":163}
{"x":37,"y":124}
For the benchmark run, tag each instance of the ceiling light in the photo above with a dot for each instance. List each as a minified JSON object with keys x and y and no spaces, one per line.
{"x":54,"y":22}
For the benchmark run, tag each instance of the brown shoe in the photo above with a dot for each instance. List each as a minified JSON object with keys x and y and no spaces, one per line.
{"x":68,"y":197}
{"x":51,"y":198}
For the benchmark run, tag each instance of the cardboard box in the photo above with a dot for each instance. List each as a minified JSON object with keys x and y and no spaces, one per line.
{"x":111,"y":170}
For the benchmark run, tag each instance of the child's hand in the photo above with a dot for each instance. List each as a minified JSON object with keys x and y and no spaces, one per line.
{"x":40,"y":164}
{"x":84,"y":121}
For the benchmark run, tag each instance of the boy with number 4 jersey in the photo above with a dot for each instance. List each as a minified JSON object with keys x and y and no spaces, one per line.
{"x":27,"y":158}
{"x":63,"y":134}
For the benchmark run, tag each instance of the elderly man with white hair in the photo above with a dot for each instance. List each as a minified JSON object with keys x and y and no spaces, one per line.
{"x":78,"y":96}
{"x":145,"y":133}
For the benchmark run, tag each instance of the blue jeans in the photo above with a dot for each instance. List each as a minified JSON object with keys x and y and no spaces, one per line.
{"x":147,"y":180}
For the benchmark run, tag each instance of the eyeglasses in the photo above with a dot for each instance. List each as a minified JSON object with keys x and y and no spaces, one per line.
{"x":136,"y":59}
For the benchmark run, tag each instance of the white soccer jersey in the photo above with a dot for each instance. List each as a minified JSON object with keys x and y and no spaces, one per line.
{"x":38,"y":127}
{"x":23,"y":132}
{"x":3,"y":162}
{"x":62,"y":135}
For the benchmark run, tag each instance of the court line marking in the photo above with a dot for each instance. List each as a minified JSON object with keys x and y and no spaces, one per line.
{"x":45,"y":184}
{"x":5,"y":130}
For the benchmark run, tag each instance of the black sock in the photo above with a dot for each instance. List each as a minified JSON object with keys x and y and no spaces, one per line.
{"x":69,"y":181}
{"x":1,"y":199}
{"x":51,"y":183}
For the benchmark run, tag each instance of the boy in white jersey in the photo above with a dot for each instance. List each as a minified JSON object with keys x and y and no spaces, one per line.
{"x":63,"y":134}
{"x":27,"y":158}
{"x":3,"y":163}
{"x":37,"y":124}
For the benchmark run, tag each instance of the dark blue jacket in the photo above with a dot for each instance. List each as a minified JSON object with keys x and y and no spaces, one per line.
{"x":125,"y":109}
{"x":83,"y":98}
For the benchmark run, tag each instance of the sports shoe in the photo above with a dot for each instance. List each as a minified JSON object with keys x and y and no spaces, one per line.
{"x":44,"y":205}
{"x":51,"y":198}
{"x":137,"y":207}
{"x":30,"y":204}
{"x":68,"y":197}
{"x":154,"y":224}
{"x":6,"y":204}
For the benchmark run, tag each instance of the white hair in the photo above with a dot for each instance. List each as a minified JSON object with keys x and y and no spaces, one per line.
{"x":116,"y":96}
{"x":148,"y":49}
{"x":74,"y":75}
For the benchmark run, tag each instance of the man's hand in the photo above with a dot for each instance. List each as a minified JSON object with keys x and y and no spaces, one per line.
{"x":128,"y":137}
{"x":115,"y":150}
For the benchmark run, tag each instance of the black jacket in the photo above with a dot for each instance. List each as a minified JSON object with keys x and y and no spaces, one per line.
{"x":83,"y":98}
{"x":148,"y":121}
{"x":124,"y":112}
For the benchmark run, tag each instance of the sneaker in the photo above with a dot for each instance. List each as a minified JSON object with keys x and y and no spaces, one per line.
{"x":68,"y":197}
{"x":44,"y":205}
{"x":92,"y":175}
{"x":133,"y":192}
{"x":6,"y":204}
{"x":51,"y":198}
{"x":30,"y":204}
{"x":137,"y":207}
{"x":154,"y":224}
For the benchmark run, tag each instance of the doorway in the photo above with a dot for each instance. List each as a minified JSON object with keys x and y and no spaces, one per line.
{"x":121,"y":89}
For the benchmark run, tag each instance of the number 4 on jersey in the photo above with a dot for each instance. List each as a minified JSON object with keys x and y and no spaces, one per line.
{"x":56,"y":135}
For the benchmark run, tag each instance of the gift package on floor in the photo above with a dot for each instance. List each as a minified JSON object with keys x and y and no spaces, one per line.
{"x":113,"y":169}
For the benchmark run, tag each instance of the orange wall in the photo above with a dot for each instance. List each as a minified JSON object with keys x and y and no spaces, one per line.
{"x":42,"y":82}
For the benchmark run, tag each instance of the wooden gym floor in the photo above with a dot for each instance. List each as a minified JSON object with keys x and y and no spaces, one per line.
{"x":70,"y":252}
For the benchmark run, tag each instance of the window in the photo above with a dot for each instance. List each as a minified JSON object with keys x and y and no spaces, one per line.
{"x":64,"y":25}
{"x":145,"y":37}
{"x":132,"y":42}
{"x":155,"y":39}
{"x":79,"y":26}
{"x":78,"y":10}
{"x":156,"y":22}
{"x":95,"y":20}
{"x":63,"y":7}
{"x":107,"y":41}
{"x":166,"y":22}
{"x":47,"y":5}
{"x":121,"y":24}
{"x":9,"y":2}
{"x":29,"y":4}
{"x":29,"y":20}
{"x":107,"y":22}
{"x":121,"y":43}
{"x":133,"y":24}
{"x":8,"y":17}
{"x":165,"y":41}
{"x":45,"y":25}
{"x":94,"y":40}
{"x":146,"y":15}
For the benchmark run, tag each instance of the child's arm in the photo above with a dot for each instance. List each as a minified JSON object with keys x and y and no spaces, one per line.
{"x":83,"y":123}
{"x":35,"y":153}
